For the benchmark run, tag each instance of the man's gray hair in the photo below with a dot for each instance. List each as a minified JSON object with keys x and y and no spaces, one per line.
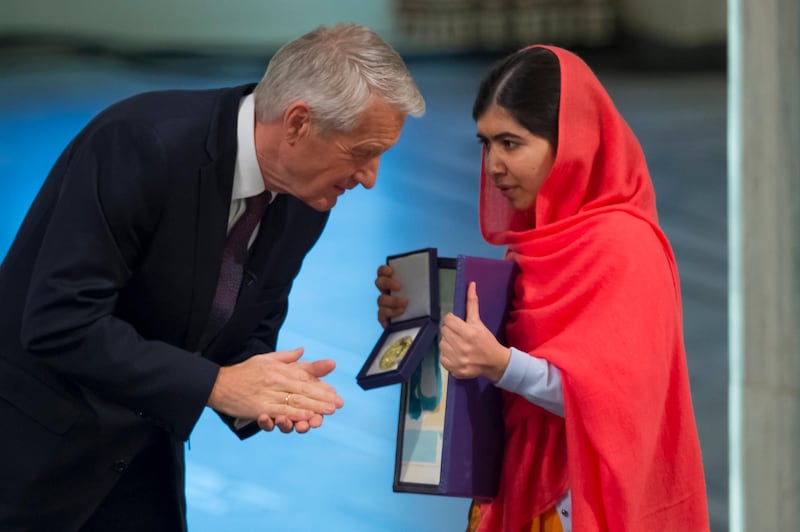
{"x":336,"y":70}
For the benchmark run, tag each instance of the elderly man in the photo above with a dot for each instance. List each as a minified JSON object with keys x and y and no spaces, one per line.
{"x":151,"y":276}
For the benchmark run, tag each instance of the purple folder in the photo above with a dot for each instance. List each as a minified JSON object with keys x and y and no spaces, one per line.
{"x":450,"y":434}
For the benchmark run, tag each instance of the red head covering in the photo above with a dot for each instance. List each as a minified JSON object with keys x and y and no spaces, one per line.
{"x":597,"y":296}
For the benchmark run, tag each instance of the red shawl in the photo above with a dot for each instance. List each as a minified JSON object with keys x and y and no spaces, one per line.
{"x":597,"y":296}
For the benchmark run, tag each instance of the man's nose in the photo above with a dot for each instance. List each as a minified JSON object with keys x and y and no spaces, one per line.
{"x":368,"y":174}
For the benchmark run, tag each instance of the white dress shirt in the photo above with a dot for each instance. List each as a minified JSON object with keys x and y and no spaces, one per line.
{"x":247,"y":178}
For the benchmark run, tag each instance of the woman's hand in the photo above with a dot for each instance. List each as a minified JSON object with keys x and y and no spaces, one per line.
{"x":389,"y":306}
{"x":467,"y":348}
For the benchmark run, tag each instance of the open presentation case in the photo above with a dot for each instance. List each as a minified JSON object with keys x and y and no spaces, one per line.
{"x":408,"y":337}
{"x":450,"y":433}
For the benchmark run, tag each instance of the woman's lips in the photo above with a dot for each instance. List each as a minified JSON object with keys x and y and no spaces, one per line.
{"x":505,"y":190}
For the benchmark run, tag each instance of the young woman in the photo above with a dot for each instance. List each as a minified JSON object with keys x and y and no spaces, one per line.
{"x":600,"y":431}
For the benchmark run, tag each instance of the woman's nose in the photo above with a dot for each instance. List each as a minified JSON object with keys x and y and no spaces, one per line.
{"x":494,"y":163}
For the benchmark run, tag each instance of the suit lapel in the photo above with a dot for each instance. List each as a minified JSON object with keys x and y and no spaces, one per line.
{"x":213,"y":206}
{"x":212,"y":224}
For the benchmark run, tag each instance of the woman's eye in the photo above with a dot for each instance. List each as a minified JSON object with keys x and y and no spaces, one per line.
{"x":509,"y":144}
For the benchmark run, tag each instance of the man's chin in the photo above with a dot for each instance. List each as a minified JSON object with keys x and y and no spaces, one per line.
{"x":322,"y":204}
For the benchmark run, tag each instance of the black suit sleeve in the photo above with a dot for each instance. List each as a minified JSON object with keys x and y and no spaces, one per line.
{"x":108,"y":205}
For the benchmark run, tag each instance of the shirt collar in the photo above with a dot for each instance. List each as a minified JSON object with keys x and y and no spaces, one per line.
{"x":247,"y":179}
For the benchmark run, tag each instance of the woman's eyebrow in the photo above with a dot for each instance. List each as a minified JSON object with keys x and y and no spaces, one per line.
{"x":499,"y":136}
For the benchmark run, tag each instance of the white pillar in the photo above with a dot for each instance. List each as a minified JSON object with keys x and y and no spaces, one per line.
{"x":764,"y":238}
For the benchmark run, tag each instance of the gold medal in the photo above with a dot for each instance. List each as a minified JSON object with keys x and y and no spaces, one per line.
{"x":395,"y":353}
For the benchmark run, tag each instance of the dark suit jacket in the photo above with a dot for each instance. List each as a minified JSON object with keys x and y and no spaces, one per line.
{"x":105,"y":293}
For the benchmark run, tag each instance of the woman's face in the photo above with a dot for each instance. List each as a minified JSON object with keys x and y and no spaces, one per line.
{"x":516,"y":160}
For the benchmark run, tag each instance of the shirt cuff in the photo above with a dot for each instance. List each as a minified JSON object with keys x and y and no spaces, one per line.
{"x":239,"y":423}
{"x":535,"y":379}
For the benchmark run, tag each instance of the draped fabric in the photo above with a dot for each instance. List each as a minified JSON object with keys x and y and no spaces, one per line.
{"x":598,"y":296}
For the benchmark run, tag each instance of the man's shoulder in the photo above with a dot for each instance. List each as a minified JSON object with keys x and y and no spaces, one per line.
{"x":173,"y":102}
{"x":184,"y":120}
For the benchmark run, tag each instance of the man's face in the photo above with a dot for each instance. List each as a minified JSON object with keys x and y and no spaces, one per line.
{"x":321,"y":167}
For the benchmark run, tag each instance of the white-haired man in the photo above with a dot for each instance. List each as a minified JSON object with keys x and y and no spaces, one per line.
{"x":151,"y":275}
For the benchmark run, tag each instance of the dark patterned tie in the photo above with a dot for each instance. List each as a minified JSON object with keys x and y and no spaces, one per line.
{"x":234,"y":255}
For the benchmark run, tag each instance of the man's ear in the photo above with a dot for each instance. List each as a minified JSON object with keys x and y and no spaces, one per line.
{"x":297,"y":121}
